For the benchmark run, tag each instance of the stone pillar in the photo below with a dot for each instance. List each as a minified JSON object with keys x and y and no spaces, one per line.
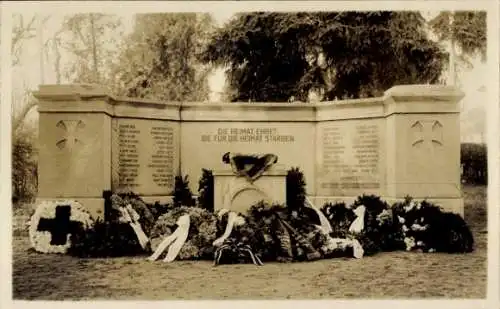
{"x":423,"y":144}
{"x":75,"y":144}
{"x":238,"y":194}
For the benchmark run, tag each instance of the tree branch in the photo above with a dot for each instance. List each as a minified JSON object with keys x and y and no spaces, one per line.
{"x":18,"y":119}
{"x":21,"y":33}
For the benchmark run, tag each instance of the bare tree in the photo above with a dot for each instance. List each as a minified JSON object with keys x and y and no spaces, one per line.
{"x":90,"y":38}
{"x":21,"y":32}
{"x":54,"y":44}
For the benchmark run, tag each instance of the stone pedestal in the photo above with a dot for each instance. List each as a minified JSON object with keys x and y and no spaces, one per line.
{"x":74,"y":155}
{"x":423,"y":144}
{"x":238,"y":194}
{"x":91,"y":142}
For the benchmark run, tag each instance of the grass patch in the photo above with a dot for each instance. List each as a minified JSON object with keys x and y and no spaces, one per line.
{"x":385,"y":275}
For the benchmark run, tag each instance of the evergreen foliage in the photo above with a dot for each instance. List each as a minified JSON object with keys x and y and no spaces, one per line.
{"x":182,"y":193}
{"x":275,"y":56}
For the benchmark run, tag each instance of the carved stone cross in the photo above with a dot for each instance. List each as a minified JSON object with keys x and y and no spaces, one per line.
{"x":70,"y":133}
{"x":427,"y":132}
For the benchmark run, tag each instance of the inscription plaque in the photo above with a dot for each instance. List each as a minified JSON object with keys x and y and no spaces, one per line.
{"x":161,"y":165}
{"x":128,"y":158}
{"x":145,"y":156}
{"x":248,"y":135}
{"x":351,"y":157}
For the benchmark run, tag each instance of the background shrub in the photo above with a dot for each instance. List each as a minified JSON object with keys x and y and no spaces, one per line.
{"x":158,"y":209}
{"x":206,"y":190}
{"x":182,"y":194}
{"x":24,"y":166}
{"x":295,"y":189}
{"x":473,"y":160}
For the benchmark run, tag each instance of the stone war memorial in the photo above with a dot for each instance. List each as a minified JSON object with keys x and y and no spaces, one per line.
{"x":249,"y":183}
{"x":405,"y":143}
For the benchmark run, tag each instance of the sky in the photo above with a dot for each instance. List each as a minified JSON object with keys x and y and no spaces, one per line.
{"x":28,"y":74}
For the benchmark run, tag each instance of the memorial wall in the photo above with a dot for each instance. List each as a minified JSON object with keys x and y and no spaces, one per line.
{"x":404,"y":143}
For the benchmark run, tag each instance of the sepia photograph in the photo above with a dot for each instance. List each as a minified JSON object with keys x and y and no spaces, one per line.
{"x":249,"y":152}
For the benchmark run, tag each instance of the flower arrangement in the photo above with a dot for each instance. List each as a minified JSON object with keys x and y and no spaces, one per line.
{"x":231,"y":251}
{"x":124,"y":233}
{"x":427,"y":227}
{"x":266,"y":232}
{"x":53,"y":223}
{"x":340,"y":217}
{"x":106,"y":239}
{"x":381,"y":232}
{"x":265,"y":235}
{"x":122,"y":200}
{"x":235,"y":237}
{"x":270,"y":232}
{"x":202,"y":231}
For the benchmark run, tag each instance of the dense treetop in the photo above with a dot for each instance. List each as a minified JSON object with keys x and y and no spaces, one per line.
{"x":276,"y":56}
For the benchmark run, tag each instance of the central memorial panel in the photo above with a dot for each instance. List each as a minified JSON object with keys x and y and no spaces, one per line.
{"x":204,"y":145}
{"x":145,"y":156}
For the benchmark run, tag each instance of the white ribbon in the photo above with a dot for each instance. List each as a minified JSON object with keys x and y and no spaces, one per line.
{"x":359,"y":223}
{"x":141,"y":236}
{"x":133,"y":214}
{"x":358,"y":251}
{"x":182,"y":233}
{"x":325,"y":224}
{"x":162,"y":246}
{"x":229,"y":228}
{"x":130,"y":216}
{"x":175,"y":241}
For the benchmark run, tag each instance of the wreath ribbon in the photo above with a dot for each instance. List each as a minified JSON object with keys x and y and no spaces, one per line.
{"x":325,"y":225}
{"x":173,"y":242}
{"x":229,"y":228}
{"x":359,"y":223}
{"x":128,"y":214}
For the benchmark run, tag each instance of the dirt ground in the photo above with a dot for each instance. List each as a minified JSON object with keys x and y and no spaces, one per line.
{"x":385,"y":275}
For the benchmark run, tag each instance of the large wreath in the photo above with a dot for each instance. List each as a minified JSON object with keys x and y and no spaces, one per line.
{"x":53,"y":223}
{"x":202,"y":232}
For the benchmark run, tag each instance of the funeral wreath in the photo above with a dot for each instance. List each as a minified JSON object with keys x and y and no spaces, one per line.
{"x":53,"y":223}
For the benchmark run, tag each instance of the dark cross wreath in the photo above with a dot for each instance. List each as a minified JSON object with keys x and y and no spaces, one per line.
{"x":60,"y":226}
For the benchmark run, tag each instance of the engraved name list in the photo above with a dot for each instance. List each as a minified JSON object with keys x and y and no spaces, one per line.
{"x":351,"y":156}
{"x":146,"y":153}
